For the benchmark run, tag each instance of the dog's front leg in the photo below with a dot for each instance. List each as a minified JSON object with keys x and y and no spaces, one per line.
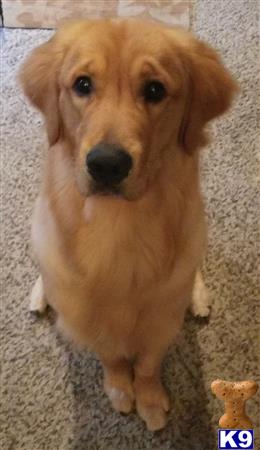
{"x":118,"y":383}
{"x":152,"y":402}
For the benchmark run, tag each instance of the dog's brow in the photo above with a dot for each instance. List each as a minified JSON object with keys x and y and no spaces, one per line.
{"x":85,"y":67}
{"x":150,"y":67}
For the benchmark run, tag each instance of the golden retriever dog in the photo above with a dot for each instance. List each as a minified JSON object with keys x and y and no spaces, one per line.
{"x":118,"y":229}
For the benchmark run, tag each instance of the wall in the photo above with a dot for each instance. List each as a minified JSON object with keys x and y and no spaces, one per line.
{"x":49,"y":13}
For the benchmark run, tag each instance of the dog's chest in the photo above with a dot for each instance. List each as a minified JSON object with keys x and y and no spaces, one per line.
{"x":109,"y":246}
{"x":123,"y":250}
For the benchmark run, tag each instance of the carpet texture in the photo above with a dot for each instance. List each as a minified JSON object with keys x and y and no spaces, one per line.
{"x":51,"y":394}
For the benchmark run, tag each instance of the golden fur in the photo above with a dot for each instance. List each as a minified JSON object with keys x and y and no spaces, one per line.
{"x":119,"y":271}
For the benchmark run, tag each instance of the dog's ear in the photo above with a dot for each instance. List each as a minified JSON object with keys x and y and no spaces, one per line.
{"x":210,"y":92}
{"x":39,"y":78}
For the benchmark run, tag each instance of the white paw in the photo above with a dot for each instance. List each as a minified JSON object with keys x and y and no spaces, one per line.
{"x":122,"y":400}
{"x":201,"y":302}
{"x":38,"y":302}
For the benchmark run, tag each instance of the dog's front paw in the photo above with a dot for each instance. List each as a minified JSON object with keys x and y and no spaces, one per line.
{"x":119,"y":387}
{"x":200,"y":302}
{"x":154,"y":416}
{"x":121,"y":400}
{"x":38,"y":303}
{"x":152,"y":404}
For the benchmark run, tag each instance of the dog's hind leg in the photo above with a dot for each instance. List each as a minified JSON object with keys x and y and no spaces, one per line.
{"x":38,"y":302}
{"x":200,"y":301}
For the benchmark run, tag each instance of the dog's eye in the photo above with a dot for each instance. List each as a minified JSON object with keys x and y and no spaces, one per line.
{"x":154,"y":91}
{"x":83,"y":86}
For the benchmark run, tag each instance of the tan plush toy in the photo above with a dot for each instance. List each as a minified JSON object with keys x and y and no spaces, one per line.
{"x":235,"y":395}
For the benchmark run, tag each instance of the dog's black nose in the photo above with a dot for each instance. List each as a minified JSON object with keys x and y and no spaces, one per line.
{"x":108,"y":164}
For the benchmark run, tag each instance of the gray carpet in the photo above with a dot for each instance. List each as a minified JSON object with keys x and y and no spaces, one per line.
{"x":52,"y":396}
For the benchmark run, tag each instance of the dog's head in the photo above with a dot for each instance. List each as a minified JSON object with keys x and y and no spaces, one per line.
{"x":123,"y":94}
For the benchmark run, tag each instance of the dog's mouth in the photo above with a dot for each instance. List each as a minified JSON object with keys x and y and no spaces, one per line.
{"x":121,"y":190}
{"x":106,"y":190}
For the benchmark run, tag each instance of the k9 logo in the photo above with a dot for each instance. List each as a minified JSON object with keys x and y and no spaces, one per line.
{"x":228,"y":439}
